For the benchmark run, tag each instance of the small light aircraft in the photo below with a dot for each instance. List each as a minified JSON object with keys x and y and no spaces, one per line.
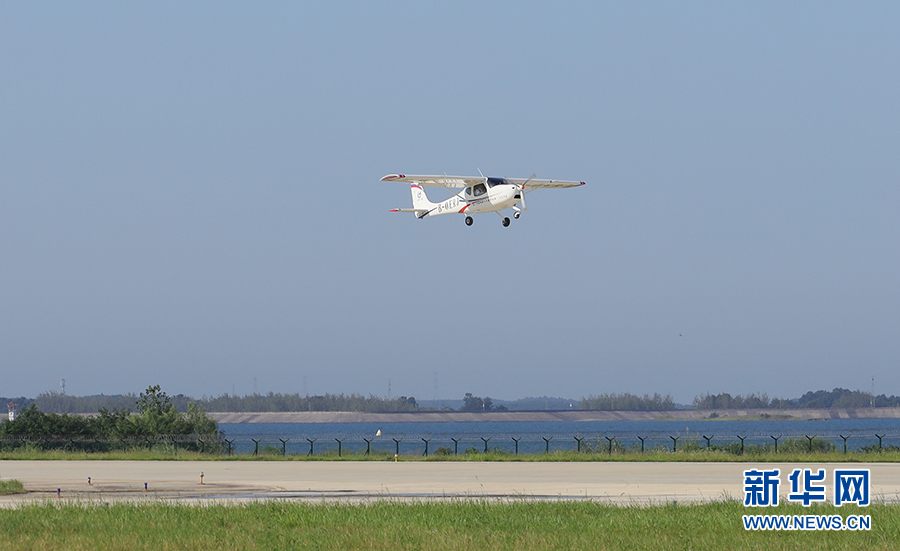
{"x":478,"y":194}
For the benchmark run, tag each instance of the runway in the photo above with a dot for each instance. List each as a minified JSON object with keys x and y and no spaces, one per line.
{"x":361,"y":481}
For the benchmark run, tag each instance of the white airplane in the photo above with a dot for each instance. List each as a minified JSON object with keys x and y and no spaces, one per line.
{"x":478,"y":194}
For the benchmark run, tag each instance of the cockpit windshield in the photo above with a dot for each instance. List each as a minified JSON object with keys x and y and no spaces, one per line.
{"x":496,"y":182}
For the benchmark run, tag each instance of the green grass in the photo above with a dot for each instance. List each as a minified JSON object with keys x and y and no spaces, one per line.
{"x":8,"y":487}
{"x":519,"y":525}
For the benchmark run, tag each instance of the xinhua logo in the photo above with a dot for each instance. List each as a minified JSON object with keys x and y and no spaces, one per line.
{"x":851,"y":486}
{"x":806,"y":486}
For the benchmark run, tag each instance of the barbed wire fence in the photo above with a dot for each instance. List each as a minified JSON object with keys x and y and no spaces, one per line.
{"x":513,"y":443}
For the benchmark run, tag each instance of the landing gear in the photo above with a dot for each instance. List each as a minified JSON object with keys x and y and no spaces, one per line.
{"x":517,"y":215}
{"x":505,"y":221}
{"x":469,"y":221}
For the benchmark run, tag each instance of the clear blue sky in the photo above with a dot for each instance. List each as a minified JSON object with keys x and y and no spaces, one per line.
{"x":190,"y":197}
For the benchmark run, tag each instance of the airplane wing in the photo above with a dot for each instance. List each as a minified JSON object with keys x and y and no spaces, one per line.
{"x":435,"y":180}
{"x":535,"y":183}
{"x":466,"y":181}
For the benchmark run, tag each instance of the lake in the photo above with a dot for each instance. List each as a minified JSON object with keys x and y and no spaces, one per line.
{"x":535,"y":437}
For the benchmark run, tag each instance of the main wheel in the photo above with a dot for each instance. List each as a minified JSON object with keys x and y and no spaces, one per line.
{"x":505,"y":222}
{"x":469,"y":221}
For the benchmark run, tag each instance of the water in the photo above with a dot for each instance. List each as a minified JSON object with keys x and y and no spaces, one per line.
{"x":535,"y":437}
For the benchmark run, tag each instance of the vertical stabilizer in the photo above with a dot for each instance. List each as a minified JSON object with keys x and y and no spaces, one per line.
{"x":419,"y":199}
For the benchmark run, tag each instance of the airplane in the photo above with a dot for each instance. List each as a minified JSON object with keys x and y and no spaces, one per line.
{"x":478,"y":194}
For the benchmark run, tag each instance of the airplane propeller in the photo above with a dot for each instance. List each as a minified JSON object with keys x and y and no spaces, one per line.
{"x":522,"y":190}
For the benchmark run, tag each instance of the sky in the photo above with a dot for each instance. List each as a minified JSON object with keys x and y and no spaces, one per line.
{"x":190,"y":197}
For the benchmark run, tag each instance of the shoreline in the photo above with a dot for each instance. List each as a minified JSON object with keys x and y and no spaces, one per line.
{"x":553,"y":416}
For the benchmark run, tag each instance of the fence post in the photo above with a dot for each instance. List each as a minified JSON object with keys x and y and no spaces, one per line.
{"x":230,"y":443}
{"x":642,"y":438}
{"x":879,"y":440}
{"x":397,"y":441}
{"x":256,"y":450}
{"x":485,"y":440}
{"x":426,"y":440}
{"x":310,"y":446}
{"x":368,"y":445}
{"x":610,"y":442}
{"x":708,"y":440}
{"x":775,"y":438}
{"x":810,"y":438}
{"x":516,"y":440}
{"x":456,"y":445}
{"x":284,"y":447}
{"x":674,"y":443}
{"x":340,"y":442}
{"x":579,"y":439}
{"x":547,"y":441}
{"x":844,"y":438}
{"x":741,"y":438}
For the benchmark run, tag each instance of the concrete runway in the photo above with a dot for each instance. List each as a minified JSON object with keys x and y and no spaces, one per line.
{"x":360,"y":481}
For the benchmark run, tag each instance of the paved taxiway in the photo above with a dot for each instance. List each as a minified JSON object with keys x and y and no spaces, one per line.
{"x":354,"y":481}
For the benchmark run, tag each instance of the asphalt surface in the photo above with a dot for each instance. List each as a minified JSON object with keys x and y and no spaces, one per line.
{"x":359,"y":481}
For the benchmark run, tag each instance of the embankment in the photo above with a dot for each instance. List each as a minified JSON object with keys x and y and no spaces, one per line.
{"x":543,"y":416}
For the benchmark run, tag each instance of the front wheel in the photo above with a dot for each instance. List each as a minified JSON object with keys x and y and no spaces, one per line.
{"x":517,"y":215}
{"x":469,"y":221}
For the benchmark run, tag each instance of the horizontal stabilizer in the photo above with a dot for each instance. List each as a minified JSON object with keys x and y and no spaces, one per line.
{"x":417,"y":211}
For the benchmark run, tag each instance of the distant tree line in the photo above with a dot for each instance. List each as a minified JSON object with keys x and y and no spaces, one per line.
{"x":628,"y":402}
{"x":477,"y":403}
{"x":295,"y":402}
{"x":727,"y":401}
{"x":156,"y":416}
{"x":820,"y":399}
{"x":55,"y":402}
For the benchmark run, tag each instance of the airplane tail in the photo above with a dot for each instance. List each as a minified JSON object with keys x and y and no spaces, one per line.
{"x":419,"y":199}
{"x":421,"y":205}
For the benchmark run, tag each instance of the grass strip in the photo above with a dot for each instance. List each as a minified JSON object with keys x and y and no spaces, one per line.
{"x":9,"y":487}
{"x":520,"y":525}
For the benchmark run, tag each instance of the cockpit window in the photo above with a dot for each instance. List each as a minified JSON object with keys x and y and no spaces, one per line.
{"x":496,"y":182}
{"x":478,"y":189}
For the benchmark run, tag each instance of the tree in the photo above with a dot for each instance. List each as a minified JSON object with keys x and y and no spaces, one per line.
{"x":476,"y":403}
{"x":154,"y":401}
{"x":628,"y":402}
